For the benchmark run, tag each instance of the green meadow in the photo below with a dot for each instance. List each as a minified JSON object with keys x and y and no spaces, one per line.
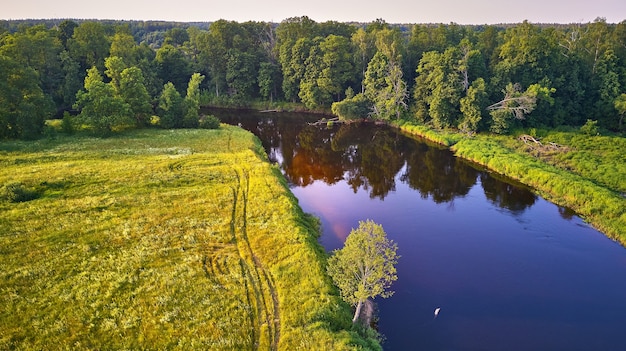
{"x":154,"y":239}
{"x":571,"y":169}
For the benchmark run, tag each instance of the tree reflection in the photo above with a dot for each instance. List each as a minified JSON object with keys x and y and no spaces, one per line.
{"x":514,"y":198}
{"x":371,"y":158}
{"x":437,"y":173}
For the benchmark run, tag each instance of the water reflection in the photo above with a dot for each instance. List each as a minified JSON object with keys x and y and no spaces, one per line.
{"x":369,"y":158}
{"x":515,"y":198}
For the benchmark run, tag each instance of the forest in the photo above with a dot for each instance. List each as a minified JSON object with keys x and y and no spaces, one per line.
{"x":108,"y":75}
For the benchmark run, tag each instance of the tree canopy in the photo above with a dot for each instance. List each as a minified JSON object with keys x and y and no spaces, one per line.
{"x":444,"y":75}
{"x":365,"y":267}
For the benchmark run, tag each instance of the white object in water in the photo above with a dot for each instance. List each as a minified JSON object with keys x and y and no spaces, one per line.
{"x":437,"y":312}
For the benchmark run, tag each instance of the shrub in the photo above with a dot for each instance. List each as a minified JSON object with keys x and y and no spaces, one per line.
{"x":209,"y":122}
{"x":17,"y":192}
{"x":590,"y":128}
{"x":67,"y":125}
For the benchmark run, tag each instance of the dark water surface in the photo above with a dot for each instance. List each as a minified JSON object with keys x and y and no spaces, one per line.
{"x":509,"y":270}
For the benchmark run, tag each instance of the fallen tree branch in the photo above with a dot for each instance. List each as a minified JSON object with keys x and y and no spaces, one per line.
{"x":326,"y":121}
{"x":526,"y":138}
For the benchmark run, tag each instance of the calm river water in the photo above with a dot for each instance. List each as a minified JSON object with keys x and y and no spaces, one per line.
{"x":508,"y":270}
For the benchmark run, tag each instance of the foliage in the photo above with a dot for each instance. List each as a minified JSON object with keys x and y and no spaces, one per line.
{"x":170,"y":107}
{"x":100,"y":106}
{"x":572,"y":72}
{"x":67,"y":124}
{"x":23,"y":105}
{"x":160,"y":239}
{"x":385,"y":88}
{"x":590,"y":128}
{"x":620,"y":106}
{"x":472,"y":106}
{"x":208,"y":122}
{"x":192,"y":101}
{"x":357,"y":107}
{"x":516,"y":105}
{"x":365,"y":267}
{"x":134,"y":93}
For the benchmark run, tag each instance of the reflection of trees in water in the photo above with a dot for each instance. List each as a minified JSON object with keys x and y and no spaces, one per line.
{"x":373,"y":161}
{"x":566,"y":213}
{"x":437,"y":173}
{"x":364,"y":156}
{"x":505,"y":195}
{"x":369,"y":157}
{"x":313,"y":159}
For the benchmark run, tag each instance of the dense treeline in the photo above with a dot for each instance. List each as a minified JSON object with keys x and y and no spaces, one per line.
{"x":474,"y":78}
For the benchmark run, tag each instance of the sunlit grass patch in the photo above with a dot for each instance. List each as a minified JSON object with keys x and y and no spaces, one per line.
{"x":150,"y":239}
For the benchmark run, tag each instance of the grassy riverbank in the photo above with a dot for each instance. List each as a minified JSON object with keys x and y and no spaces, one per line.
{"x":185,"y":239}
{"x":584,"y":173}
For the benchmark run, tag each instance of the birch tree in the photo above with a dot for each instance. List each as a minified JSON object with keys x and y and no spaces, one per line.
{"x":365,"y":267}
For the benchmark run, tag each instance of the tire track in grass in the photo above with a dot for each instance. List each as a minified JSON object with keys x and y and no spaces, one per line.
{"x":254,"y":318}
{"x":259,"y":284}
{"x":272,"y":317}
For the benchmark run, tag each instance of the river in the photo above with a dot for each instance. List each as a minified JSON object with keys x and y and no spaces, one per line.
{"x":508,"y":270}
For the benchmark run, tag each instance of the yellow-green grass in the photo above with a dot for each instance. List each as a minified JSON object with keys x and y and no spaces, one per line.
{"x":586,"y":174}
{"x":185,"y":239}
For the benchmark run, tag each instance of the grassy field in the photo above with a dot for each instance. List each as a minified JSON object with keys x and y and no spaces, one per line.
{"x":185,"y":239}
{"x":584,"y":173}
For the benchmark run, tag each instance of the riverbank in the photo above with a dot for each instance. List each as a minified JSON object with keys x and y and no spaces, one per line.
{"x":160,"y":239}
{"x":585,"y":175}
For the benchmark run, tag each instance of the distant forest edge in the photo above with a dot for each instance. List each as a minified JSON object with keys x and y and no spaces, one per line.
{"x":470,"y":77}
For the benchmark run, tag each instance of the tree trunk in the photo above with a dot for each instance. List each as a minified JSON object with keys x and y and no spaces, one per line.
{"x":357,"y":313}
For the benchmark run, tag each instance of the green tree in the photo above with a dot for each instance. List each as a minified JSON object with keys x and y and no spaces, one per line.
{"x":241,"y":74}
{"x":294,"y":67}
{"x":100,"y":106}
{"x":438,"y":88}
{"x":364,"y":50}
{"x":73,"y":81}
{"x":269,"y":76}
{"x":170,"y":107}
{"x":385,"y":87}
{"x":192,"y":101}
{"x":311,"y":93}
{"x":226,"y":40}
{"x":176,"y":37}
{"x":173,"y":66}
{"x":620,"y":106}
{"x":607,"y":87}
{"x":472,"y":106}
{"x":66,"y":31}
{"x":375,"y":75}
{"x":123,"y":45}
{"x":134,"y":93}
{"x":23,"y":105}
{"x":337,"y":68}
{"x":365,"y":267}
{"x":294,"y":40}
{"x":89,"y":45}
{"x":114,"y":67}
{"x":38,"y":48}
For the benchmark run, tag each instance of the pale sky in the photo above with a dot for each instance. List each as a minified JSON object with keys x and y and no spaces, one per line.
{"x":392,"y":11}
